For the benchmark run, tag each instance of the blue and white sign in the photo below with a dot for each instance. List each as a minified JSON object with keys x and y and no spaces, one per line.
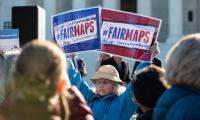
{"x":76,"y":31}
{"x":9,"y":39}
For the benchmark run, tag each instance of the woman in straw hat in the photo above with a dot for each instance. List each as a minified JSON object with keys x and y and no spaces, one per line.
{"x":40,"y":82}
{"x":110,"y":100}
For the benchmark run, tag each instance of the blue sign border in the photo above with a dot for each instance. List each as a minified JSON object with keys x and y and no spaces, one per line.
{"x":92,"y":44}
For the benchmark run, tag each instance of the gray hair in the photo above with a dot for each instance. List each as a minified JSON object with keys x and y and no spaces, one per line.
{"x":183,"y":62}
{"x":119,"y":89}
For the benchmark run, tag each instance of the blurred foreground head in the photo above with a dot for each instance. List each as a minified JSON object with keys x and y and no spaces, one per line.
{"x":183,"y":66}
{"x":39,"y":71}
{"x":41,"y":61}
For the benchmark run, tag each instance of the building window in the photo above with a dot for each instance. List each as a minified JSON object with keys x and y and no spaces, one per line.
{"x":129,"y":5}
{"x":190,"y":16}
{"x":7,"y":25}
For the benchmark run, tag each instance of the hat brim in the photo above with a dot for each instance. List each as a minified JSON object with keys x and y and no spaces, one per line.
{"x":106,"y":76}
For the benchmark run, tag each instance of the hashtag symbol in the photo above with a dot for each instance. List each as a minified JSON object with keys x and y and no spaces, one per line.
{"x":105,"y":32}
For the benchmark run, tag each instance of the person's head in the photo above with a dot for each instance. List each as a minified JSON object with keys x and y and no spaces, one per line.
{"x":73,"y":55}
{"x":107,"y":81}
{"x":118,"y":59}
{"x":140,"y":66}
{"x":39,"y":68}
{"x":148,"y":86}
{"x":182,"y":63}
{"x":105,"y":56}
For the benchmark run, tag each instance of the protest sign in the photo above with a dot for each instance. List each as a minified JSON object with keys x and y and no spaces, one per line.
{"x":128,"y":34}
{"x":76,"y":31}
{"x":9,"y":39}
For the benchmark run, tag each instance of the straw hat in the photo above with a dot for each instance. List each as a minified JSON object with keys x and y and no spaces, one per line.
{"x":108,"y":72}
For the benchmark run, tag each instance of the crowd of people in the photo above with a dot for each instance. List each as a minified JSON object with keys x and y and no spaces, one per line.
{"x":42,"y":83}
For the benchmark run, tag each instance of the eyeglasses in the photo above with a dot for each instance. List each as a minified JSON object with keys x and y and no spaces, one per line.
{"x":98,"y":82}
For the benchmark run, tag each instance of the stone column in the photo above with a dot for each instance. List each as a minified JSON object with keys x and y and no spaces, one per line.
{"x":78,"y":4}
{"x":6,"y":9}
{"x":24,"y":2}
{"x":50,"y":7}
{"x":175,"y":20}
{"x":113,"y":4}
{"x":5,"y":12}
{"x":144,"y":7}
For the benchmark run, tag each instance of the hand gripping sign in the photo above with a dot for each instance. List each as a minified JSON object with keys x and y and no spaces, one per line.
{"x":127,"y":34}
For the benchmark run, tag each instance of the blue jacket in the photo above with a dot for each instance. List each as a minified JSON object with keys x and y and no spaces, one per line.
{"x":109,"y":107}
{"x":178,"y":103}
